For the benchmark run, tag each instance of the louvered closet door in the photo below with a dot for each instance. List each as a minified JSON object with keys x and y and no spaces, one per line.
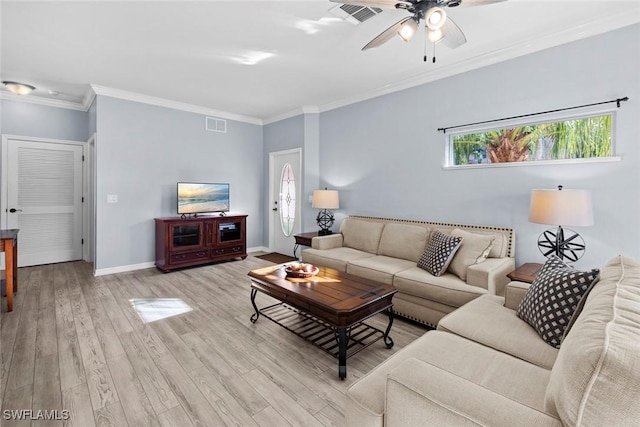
{"x":45,"y":189}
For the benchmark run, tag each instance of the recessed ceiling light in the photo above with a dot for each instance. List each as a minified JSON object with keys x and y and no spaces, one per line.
{"x":18,"y":88}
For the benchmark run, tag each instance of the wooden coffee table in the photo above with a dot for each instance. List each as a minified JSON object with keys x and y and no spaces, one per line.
{"x":327,"y":309}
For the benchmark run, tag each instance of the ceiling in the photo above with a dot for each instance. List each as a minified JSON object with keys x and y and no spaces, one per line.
{"x":262,"y":60}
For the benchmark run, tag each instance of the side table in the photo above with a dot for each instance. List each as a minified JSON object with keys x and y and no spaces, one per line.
{"x":303,"y":239}
{"x":9,"y":245}
{"x":526,"y":272}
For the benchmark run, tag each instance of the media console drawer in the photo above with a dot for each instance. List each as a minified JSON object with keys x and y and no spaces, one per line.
{"x":189,"y":256}
{"x":226,"y":251}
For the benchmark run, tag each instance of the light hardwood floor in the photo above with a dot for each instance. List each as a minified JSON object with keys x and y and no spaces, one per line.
{"x":74,"y":342}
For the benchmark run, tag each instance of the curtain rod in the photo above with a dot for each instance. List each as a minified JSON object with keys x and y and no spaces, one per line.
{"x":617,"y":101}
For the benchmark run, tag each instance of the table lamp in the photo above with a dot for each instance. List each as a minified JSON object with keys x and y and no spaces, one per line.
{"x":561,"y":207}
{"x":325,"y":199}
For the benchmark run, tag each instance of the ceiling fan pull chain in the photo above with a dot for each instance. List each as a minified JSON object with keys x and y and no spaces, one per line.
{"x":434,"y":52}
{"x":426,"y":36}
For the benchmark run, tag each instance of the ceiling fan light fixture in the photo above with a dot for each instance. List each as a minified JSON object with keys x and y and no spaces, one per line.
{"x":434,"y":35}
{"x":435,"y":18}
{"x":408,"y":29}
{"x":18,"y":88}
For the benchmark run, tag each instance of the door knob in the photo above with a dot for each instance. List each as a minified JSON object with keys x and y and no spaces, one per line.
{"x":275,"y":209}
{"x":12,"y":210}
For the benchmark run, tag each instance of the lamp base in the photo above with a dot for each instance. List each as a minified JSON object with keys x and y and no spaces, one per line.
{"x":325,"y":222}
{"x":566,"y":246}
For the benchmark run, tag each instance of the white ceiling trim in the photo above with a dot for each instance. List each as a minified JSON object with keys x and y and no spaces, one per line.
{"x":548,"y":41}
{"x":167,"y":103}
{"x":47,"y":102}
{"x":293,"y":113}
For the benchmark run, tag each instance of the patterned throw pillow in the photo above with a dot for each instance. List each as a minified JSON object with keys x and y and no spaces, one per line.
{"x":439,"y":253}
{"x":553,"y":297}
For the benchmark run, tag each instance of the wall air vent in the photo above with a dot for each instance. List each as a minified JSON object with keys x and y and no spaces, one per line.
{"x":355,"y":14}
{"x":215,"y":124}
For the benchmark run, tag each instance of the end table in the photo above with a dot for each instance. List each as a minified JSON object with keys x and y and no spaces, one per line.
{"x":526,"y":272}
{"x":303,"y":239}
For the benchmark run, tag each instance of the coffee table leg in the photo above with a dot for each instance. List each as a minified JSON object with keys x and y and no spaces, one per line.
{"x":387,"y":339}
{"x":342,"y":353}
{"x":254,"y":316}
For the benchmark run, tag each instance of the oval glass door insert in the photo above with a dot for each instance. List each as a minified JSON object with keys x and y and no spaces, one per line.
{"x":287,"y":204}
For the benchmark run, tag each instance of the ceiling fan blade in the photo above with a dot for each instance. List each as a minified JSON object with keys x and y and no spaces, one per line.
{"x":382,"y":4}
{"x":386,"y":35}
{"x":453,"y":35}
{"x":470,"y":3}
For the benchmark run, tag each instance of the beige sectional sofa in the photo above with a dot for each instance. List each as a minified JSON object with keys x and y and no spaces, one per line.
{"x":387,"y":250}
{"x":485,"y":366}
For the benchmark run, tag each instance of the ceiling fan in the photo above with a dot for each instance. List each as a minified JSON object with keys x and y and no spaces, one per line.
{"x":438,"y":26}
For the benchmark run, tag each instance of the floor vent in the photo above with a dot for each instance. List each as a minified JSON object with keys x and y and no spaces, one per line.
{"x":355,"y":14}
{"x":214,"y":124}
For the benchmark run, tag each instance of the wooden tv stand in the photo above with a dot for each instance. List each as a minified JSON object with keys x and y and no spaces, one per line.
{"x":186,"y":242}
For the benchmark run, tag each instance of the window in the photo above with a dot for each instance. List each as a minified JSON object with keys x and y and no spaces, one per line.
{"x":575,"y":138}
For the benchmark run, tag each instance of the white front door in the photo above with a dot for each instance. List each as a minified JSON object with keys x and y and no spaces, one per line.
{"x":285,"y":193}
{"x":44,"y":200}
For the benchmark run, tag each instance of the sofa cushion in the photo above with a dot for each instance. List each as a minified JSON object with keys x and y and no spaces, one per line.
{"x":500,"y":373}
{"x":487,"y":321}
{"x":438,"y":253}
{"x":379,"y":268}
{"x":362,"y":235}
{"x":473,"y":250}
{"x":595,"y":378}
{"x":335,"y":258}
{"x":403,"y":241}
{"x":446,"y":289}
{"x":553,"y":297}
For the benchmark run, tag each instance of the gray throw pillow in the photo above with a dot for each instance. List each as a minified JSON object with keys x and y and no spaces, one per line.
{"x":439,"y":252}
{"x":553,"y":297}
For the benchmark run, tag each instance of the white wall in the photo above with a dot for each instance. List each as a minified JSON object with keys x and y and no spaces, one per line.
{"x":385,"y":155}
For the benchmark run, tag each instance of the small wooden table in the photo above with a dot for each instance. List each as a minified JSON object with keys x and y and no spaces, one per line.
{"x":526,"y":272}
{"x":9,"y":245}
{"x":327,"y":309}
{"x":303,"y":239}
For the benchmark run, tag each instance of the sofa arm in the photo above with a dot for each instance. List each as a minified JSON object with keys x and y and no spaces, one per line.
{"x":327,"y":242}
{"x":421,"y":394}
{"x":491,"y":274}
{"x":513,"y":294}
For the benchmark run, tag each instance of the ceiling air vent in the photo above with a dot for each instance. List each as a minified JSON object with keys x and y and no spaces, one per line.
{"x":355,"y":14}
{"x":214,"y":124}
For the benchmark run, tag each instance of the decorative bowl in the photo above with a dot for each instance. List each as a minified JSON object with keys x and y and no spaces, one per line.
{"x":300,"y":270}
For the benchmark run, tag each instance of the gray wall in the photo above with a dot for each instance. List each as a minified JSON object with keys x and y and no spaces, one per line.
{"x":390,"y":163}
{"x":25,"y":119}
{"x":143,"y":151}
{"x":301,"y":131}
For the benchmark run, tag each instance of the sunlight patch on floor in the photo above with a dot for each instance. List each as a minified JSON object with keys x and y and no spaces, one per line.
{"x":152,"y":309}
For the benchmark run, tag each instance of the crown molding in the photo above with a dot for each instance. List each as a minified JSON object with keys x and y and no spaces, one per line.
{"x":167,"y":103}
{"x":283,"y":116}
{"x":47,"y":102}
{"x":549,"y":40}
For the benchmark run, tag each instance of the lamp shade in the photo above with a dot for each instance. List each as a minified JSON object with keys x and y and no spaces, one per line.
{"x":326,"y":199}
{"x":561,"y":207}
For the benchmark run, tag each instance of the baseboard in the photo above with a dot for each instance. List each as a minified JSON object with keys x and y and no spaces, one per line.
{"x":144,"y":265}
{"x":258,"y":249}
{"x":124,"y":268}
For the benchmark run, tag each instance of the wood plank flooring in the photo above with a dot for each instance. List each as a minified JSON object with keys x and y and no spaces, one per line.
{"x":76,"y":343}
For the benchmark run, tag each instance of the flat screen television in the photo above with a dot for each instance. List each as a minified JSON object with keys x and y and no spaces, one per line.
{"x":199,"y":197}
